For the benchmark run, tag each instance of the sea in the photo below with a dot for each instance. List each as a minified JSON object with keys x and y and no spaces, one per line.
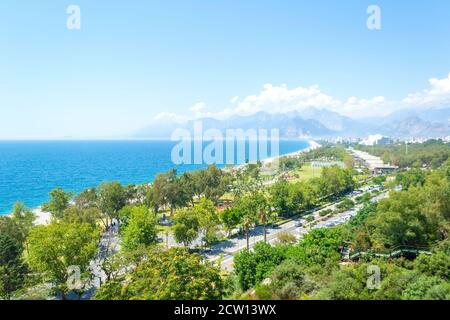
{"x":29,"y":170}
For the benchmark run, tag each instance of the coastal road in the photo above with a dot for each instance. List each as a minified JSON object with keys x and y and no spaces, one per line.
{"x":226,"y":249}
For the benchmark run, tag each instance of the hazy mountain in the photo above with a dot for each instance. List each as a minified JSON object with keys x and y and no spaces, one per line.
{"x":436,"y":115}
{"x":430,"y":122}
{"x":332,"y":120}
{"x":291,"y":125}
{"x":415,"y":126}
{"x":312,"y":122}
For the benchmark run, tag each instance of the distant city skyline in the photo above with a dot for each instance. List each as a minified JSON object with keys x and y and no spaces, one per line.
{"x":132,"y":63}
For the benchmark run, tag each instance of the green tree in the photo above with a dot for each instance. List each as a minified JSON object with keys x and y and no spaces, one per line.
{"x":24,"y":218}
{"x":439,"y":292}
{"x":289,"y":281}
{"x":12,"y":269}
{"x":56,"y":247}
{"x":86,"y":199}
{"x":130,"y":194}
{"x":346,"y":284}
{"x":412,"y":178}
{"x":111,"y":198}
{"x":176,"y":195}
{"x":12,"y":228}
{"x":289,"y":164}
{"x":265,"y":214}
{"x":249,"y":205}
{"x":169,"y":190}
{"x":296,"y":199}
{"x":279,"y":193}
{"x":168,"y":275}
{"x":254,"y":267}
{"x":230,"y":218}
{"x":59,"y":201}
{"x":111,"y":290}
{"x":318,"y":247}
{"x":420,"y":287}
{"x":407,"y":218}
{"x":140,"y":230}
{"x":158,"y":192}
{"x":188,"y":183}
{"x":336,"y":181}
{"x":216,"y":183}
{"x":187,"y":226}
{"x":75,"y":215}
{"x":436,"y":264}
{"x":208,"y":219}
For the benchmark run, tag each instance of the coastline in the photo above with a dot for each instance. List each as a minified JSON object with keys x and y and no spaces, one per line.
{"x":43,"y":218}
{"x":312,"y":146}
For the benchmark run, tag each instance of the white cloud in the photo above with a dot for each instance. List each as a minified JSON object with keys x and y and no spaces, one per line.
{"x":438,"y":93}
{"x":282,"y":99}
{"x":357,"y":108}
{"x":234,"y":100}
{"x":171,"y":116}
{"x":198,"y":107}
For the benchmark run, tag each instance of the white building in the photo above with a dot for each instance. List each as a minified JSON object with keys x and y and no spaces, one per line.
{"x":375,"y":139}
{"x":373,"y":163}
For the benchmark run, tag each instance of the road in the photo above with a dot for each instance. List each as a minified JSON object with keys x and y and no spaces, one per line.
{"x":228,"y":248}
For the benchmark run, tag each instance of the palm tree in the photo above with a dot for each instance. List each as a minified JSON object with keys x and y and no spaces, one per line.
{"x":263,"y":219}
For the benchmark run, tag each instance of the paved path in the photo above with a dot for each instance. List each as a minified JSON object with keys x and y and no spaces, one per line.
{"x":109,"y":244}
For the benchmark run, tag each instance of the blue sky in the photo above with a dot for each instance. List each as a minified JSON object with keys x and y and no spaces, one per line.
{"x":132,"y":60}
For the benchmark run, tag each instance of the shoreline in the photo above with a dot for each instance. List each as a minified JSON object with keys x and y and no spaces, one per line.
{"x":313,"y":145}
{"x":43,"y":218}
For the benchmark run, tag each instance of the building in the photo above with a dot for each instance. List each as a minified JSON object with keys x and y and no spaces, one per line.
{"x":373,"y":163}
{"x":376,"y":139}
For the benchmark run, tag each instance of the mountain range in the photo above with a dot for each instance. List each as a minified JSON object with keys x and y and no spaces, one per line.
{"x":320,"y":123}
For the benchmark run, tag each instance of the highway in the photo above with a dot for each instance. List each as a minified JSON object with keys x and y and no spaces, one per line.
{"x":226,"y":249}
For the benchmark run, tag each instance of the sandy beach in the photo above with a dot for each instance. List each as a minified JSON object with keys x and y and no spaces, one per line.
{"x":42,"y":218}
{"x":312,"y":146}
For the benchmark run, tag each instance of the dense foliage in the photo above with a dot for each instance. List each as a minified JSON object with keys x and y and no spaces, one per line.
{"x":418,"y":216}
{"x":432,"y":153}
{"x":56,"y":247}
{"x":166,"y":275}
{"x":292,"y":198}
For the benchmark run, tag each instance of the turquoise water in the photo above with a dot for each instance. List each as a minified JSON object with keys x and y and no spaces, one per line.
{"x":30,"y":170}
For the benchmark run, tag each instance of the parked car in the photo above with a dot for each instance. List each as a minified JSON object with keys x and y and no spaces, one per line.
{"x":298,"y":224}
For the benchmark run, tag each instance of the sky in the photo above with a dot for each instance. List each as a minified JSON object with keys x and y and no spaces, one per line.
{"x":133,"y":62}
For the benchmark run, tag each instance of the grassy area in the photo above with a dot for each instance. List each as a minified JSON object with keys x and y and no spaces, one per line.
{"x":307,"y":172}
